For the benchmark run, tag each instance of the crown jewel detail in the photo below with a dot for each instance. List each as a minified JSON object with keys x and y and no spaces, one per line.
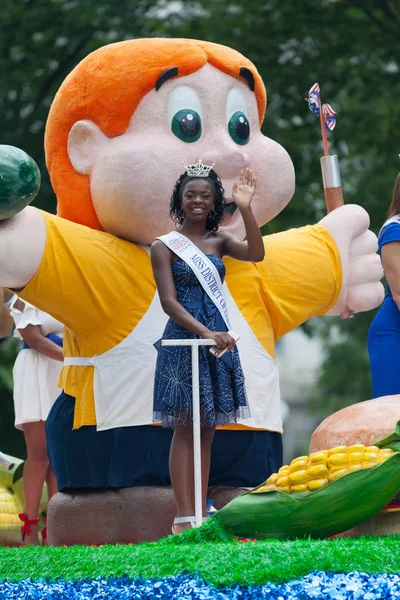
{"x":198,"y":170}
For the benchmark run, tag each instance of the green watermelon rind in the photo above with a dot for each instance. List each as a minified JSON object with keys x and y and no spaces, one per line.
{"x":19,"y":180}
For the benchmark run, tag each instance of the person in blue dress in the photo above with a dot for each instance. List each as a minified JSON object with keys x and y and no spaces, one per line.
{"x":384,"y":331}
{"x":197,"y":207}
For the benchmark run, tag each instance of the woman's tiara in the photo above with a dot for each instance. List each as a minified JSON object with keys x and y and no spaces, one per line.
{"x":198,"y":170}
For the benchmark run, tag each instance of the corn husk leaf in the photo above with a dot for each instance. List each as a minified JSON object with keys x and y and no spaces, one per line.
{"x":337,"y":507}
{"x":392,"y":441}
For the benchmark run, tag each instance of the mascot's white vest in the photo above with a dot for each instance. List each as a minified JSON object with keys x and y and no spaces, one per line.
{"x":133,"y":361}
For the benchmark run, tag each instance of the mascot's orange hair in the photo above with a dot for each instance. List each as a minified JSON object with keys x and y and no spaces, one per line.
{"x":106,"y":87}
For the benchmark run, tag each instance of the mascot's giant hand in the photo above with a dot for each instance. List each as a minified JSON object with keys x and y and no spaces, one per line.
{"x":118,"y":130}
{"x":361,"y":266}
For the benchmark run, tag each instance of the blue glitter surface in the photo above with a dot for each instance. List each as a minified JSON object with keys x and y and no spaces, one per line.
{"x":315,"y":586}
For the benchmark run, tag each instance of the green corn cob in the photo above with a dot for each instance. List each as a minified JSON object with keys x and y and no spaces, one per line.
{"x":337,"y":505}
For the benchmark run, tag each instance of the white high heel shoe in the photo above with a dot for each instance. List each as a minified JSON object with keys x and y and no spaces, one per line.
{"x":178,"y":520}
{"x":191,"y":520}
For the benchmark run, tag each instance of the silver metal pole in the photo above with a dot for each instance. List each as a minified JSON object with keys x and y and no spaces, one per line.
{"x":198,"y":500}
{"x":198,"y":509}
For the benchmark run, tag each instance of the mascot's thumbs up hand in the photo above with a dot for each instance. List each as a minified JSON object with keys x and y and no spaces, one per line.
{"x":22,"y":230}
{"x":361,"y":266}
{"x":19,"y":181}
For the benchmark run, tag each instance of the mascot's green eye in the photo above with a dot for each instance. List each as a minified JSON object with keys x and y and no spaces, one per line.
{"x":186,"y":125}
{"x":239,"y":128}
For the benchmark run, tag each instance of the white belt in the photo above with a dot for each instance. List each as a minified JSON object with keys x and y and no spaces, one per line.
{"x":78,"y":361}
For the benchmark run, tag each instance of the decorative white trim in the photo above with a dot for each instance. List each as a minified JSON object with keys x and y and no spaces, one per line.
{"x":78,"y":361}
{"x":395,"y":219}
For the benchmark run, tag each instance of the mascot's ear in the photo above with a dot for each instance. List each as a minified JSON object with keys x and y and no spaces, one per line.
{"x":84,"y":141}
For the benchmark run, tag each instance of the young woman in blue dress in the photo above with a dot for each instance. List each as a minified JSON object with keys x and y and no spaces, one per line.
{"x":384,"y":331}
{"x":197,"y":207}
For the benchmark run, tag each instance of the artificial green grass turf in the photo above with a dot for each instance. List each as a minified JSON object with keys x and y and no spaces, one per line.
{"x":218,"y":562}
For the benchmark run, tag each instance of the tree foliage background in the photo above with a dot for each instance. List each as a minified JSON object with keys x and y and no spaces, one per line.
{"x":350,"y":47}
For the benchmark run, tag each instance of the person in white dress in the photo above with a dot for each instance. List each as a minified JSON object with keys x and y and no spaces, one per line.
{"x":36,"y":371}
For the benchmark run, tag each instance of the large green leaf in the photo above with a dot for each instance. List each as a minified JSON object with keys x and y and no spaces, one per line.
{"x":391,"y":441}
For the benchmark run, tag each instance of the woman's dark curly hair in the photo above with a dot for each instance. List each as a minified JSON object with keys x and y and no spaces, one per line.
{"x":394,"y":208}
{"x":215,"y":217}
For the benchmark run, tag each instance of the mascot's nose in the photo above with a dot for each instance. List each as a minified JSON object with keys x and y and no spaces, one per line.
{"x":227,"y":164}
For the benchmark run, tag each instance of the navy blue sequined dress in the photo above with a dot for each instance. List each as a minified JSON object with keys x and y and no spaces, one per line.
{"x":222,"y":390}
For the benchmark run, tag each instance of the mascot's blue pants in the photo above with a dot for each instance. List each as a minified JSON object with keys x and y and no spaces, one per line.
{"x":133,"y":456}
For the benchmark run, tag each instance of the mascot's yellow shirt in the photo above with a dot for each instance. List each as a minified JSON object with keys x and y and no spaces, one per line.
{"x":100,"y":287}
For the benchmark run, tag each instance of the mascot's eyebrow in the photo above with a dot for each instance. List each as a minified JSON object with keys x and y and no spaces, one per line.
{"x":167,"y":74}
{"x":173,"y":72}
{"x":248,"y":76}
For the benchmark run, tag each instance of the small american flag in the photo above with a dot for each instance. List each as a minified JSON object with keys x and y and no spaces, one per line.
{"x":330,"y":116}
{"x":314,"y":99}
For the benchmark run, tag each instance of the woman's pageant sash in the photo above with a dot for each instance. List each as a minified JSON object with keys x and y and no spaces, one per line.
{"x":202,"y":267}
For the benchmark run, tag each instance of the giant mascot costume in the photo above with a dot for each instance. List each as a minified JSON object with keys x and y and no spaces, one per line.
{"x":118,"y":130}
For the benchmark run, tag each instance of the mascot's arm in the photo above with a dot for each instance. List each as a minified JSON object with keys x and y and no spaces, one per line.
{"x":322,"y":269}
{"x":22,"y":243}
{"x":82,"y":277}
{"x":301,"y":275}
{"x":22,"y":230}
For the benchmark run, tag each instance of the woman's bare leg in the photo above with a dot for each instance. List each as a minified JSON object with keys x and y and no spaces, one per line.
{"x":207,"y":435}
{"x":181,"y":469}
{"x":52,"y":489}
{"x":51,"y":482}
{"x":35,"y":470}
{"x":182,"y":473}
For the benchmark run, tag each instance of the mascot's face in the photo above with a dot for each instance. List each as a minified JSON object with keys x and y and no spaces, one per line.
{"x":207,"y":115}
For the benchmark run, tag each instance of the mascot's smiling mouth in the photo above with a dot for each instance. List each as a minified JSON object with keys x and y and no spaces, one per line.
{"x":229,"y":210}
